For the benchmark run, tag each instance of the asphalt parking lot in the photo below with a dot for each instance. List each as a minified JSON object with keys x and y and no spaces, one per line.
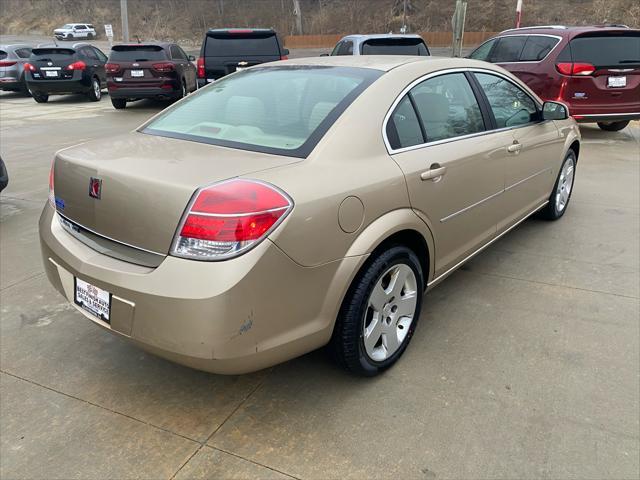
{"x":525,"y":363}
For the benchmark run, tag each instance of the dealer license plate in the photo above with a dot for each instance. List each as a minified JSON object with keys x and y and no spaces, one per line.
{"x":93,"y":299}
{"x":617,"y":82}
{"x":137,"y":73}
{"x":50,"y":73}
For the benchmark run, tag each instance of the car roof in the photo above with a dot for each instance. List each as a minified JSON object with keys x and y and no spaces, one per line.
{"x":370,"y":36}
{"x":565,"y":31}
{"x":379,"y":62}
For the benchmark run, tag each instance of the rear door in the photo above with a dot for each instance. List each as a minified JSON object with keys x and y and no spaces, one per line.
{"x":229,"y":50}
{"x":614,"y":59}
{"x":184,"y":66}
{"x":394,"y":46}
{"x":99,"y":66}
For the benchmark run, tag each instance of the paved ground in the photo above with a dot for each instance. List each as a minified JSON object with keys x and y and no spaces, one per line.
{"x":525,"y":363}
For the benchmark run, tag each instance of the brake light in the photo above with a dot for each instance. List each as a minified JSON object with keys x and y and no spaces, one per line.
{"x":29,"y":67}
{"x":79,"y":65}
{"x":7,"y":63}
{"x":200,"y":65}
{"x":284,"y":57}
{"x":52,"y":196}
{"x":229,"y":218}
{"x":239,"y":31}
{"x":112,"y":67}
{"x":567,"y":68}
{"x":162,"y":67}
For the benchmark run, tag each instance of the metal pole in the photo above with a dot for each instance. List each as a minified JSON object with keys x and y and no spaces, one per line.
{"x":457,"y":22}
{"x":298,"y":14}
{"x":125,"y":20}
{"x":518,"y":13}
{"x":404,"y":18}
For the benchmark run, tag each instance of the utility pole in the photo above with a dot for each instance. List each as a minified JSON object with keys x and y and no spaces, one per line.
{"x":457,"y":22}
{"x":403,"y":29}
{"x":518,"y":13}
{"x":298,"y":14}
{"x":125,"y":20}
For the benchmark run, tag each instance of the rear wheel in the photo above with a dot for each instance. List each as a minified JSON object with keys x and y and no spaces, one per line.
{"x":559,"y":199}
{"x":40,"y":97}
{"x":183,"y":90}
{"x":119,"y":103}
{"x":95,"y":94}
{"x":69,"y":36}
{"x":613,"y":126}
{"x":379,"y":313}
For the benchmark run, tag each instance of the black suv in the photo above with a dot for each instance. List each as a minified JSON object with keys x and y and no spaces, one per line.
{"x":227,"y":50}
{"x":58,"y":70}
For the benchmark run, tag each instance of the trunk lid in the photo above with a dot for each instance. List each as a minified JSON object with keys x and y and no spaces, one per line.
{"x":137,"y":64}
{"x":51,"y":63}
{"x":146,"y":182}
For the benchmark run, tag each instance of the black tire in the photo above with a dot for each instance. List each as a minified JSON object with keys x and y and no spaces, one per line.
{"x":40,"y":97}
{"x":95,"y":94}
{"x":183,"y":90}
{"x":69,"y":36}
{"x":119,"y":103}
{"x":552,"y":211}
{"x":613,"y":126}
{"x":91,"y":36}
{"x":347,"y":343}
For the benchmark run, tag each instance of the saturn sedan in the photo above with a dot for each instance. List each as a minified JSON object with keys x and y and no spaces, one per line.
{"x":299,"y":204}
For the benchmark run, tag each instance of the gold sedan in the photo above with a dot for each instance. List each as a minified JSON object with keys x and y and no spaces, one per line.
{"x":299,"y":204}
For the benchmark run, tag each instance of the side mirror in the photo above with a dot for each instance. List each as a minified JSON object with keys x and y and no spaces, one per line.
{"x":191,"y":58}
{"x":285,"y":51}
{"x":554,"y":111}
{"x":324,"y":54}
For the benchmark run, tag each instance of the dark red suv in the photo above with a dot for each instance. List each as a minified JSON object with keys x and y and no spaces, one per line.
{"x":159,"y":70}
{"x":594,"y":70}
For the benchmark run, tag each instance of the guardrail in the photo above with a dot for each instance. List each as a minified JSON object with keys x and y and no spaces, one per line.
{"x":434,"y":39}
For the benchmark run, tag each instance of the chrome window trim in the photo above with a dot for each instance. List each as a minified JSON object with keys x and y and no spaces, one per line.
{"x":427,"y":76}
{"x":529,"y":35}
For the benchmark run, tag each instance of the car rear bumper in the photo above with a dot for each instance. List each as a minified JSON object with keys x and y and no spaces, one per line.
{"x":168,"y":92}
{"x":11,"y":83}
{"x":59,"y":86}
{"x":605,"y":117}
{"x":228,"y":317}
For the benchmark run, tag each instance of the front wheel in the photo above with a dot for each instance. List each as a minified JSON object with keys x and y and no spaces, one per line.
{"x":613,"y":126}
{"x":69,"y":36}
{"x":379,"y":313}
{"x":119,"y":103}
{"x":559,"y":199}
{"x":40,"y":97}
{"x":95,"y":94}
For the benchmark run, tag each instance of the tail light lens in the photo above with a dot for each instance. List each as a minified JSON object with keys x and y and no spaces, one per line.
{"x":228,"y":218}
{"x":200,"y":65}
{"x":79,"y":65}
{"x":162,"y":67}
{"x":7,"y":63}
{"x":29,"y":68}
{"x":52,"y":196}
{"x":112,"y":67}
{"x":567,"y":68}
{"x":284,"y":57}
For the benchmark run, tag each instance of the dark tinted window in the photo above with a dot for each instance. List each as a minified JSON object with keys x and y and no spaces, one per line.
{"x":3,"y":54}
{"x":447,"y":107}
{"x":88,"y":52}
{"x":176,"y":53}
{"x":607,"y":50}
{"x":137,"y":54}
{"x":52,"y":54}
{"x":483,"y":51}
{"x":394,"y":46}
{"x":241,"y":45}
{"x":403,"y":127}
{"x":537,"y":47}
{"x":511,"y":106}
{"x":344,"y":48}
{"x":101,"y":56}
{"x":23,"y":52}
{"x":508,"y":49}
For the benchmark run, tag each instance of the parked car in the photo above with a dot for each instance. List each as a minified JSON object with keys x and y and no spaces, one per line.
{"x":381,"y":44}
{"x":72,"y":31}
{"x":231,"y":244}
{"x":159,"y":70}
{"x":60,"y":70}
{"x":227,"y":50}
{"x":594,"y":70}
{"x":4,"y":175}
{"x":12,"y":60}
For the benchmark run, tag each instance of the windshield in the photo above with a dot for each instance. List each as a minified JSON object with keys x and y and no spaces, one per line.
{"x":612,"y":50}
{"x":68,"y":26}
{"x":394,"y":46}
{"x":283,"y":110}
{"x":137,"y":54}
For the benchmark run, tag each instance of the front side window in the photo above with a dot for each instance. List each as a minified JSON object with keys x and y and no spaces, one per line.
{"x":483,"y":51}
{"x":447,"y":107}
{"x":537,"y":47}
{"x":508,"y":49}
{"x":510,"y":105}
{"x":280,"y":110}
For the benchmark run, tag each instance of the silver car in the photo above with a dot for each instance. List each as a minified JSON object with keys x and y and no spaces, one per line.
{"x":12,"y":60}
{"x":382,"y":44}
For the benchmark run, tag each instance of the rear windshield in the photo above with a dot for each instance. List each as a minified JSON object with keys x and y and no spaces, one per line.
{"x":241,"y":45}
{"x":281,"y":110}
{"x":137,"y":53}
{"x":621,"y":50}
{"x":3,"y":54}
{"x":52,"y":53}
{"x":394,"y":46}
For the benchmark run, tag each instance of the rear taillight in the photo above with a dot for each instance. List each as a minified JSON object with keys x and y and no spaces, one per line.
{"x":79,"y":65}
{"x":568,"y":68}
{"x":162,"y":67}
{"x":200,"y":65}
{"x":52,"y":196}
{"x":284,"y":57}
{"x":112,"y":67}
{"x":228,"y":218}
{"x":7,"y":63}
{"x":29,"y":68}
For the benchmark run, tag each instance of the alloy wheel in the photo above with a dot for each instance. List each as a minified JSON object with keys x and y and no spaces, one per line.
{"x":565,"y":184}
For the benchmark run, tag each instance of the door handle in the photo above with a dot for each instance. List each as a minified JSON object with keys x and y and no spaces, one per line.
{"x":515,"y":147}
{"x":434,"y":173}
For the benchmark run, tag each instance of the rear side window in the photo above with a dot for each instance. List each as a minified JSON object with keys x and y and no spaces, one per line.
{"x":176,"y":53}
{"x":88,"y":52}
{"x":394,"y":46}
{"x":234,"y":45}
{"x":483,"y":51}
{"x":403,"y":127}
{"x":3,"y":54}
{"x":137,"y":53}
{"x":510,"y":105}
{"x":611,"y":50}
{"x":280,"y":110}
{"x":508,"y":49}
{"x":537,"y":47}
{"x":23,"y":52}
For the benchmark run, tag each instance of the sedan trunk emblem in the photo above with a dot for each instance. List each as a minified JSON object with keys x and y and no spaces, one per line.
{"x":95,"y":188}
{"x":50,"y":64}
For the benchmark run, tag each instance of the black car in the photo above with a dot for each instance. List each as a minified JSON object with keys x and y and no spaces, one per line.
{"x":227,"y":50}
{"x":59,"y":70}
{"x":4,"y":176}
